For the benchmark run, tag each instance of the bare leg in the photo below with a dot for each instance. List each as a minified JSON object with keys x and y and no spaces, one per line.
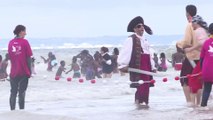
{"x":104,"y":75}
{"x":110,"y":75}
{"x":122,"y":73}
{"x":107,"y":75}
{"x":199,"y":93}
{"x":137,"y":102}
{"x":187,"y":93}
{"x":193,"y":98}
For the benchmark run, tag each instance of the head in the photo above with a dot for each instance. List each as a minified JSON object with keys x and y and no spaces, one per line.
{"x":53,"y":57}
{"x":179,"y":49}
{"x":104,"y":50}
{"x":50,"y":54}
{"x":155,"y":54}
{"x":97,"y":55}
{"x":20,"y":31}
{"x":7,"y":56}
{"x":74,"y":59}
{"x":137,"y":26}
{"x":191,"y":11}
{"x":210,"y":29}
{"x":62,"y":63}
{"x":115,"y":51}
{"x":33,"y":59}
{"x":84,"y":52}
{"x":139,"y":29}
{"x":197,"y":21}
{"x":162,"y":55}
{"x":0,"y":58}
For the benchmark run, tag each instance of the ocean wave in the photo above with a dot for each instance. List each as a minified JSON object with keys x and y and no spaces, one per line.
{"x":95,"y":42}
{"x":68,"y":46}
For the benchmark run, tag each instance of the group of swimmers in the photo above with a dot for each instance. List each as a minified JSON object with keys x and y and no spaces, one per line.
{"x":100,"y":65}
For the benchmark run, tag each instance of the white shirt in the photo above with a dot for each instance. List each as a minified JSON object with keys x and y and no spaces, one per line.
{"x":125,"y":54}
{"x":108,"y":62}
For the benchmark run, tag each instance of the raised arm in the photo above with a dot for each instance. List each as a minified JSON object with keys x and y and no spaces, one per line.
{"x":45,"y":60}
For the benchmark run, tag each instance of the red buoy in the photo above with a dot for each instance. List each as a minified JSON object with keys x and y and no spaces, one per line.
{"x":69,"y":79}
{"x":165,"y":79}
{"x":152,"y":81}
{"x":57,"y":77}
{"x":177,"y":78}
{"x":81,"y":80}
{"x":93,"y":81}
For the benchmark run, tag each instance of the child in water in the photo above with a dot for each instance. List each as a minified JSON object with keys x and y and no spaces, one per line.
{"x":60,"y":69}
{"x":178,"y":58}
{"x":163,"y":66}
{"x":75,"y":67}
{"x":48,"y":61}
{"x":155,"y":59}
{"x":106,"y":63}
{"x":33,"y":66}
{"x":3,"y":68}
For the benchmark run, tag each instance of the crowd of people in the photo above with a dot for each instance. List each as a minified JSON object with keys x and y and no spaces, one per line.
{"x":196,"y":47}
{"x":194,"y":52}
{"x":100,"y":65}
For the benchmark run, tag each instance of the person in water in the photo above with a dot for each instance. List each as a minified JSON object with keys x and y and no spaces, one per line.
{"x":20,"y":54}
{"x":135,"y":53}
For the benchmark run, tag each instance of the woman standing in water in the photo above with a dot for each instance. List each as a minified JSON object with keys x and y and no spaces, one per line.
{"x":20,"y":54}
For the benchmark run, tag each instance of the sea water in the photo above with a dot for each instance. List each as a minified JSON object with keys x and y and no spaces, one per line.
{"x":48,"y":99}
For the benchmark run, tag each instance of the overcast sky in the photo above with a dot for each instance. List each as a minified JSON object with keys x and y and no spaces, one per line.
{"x":91,"y":18}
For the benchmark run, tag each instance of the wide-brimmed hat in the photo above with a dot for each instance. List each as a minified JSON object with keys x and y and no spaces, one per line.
{"x":136,"y":21}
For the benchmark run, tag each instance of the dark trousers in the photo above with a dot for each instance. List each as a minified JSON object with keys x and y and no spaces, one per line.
{"x":206,"y":93}
{"x":18,"y":85}
{"x":185,"y":70}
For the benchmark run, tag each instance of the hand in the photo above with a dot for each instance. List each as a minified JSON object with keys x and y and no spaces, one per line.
{"x":187,"y":46}
{"x":154,"y":70}
{"x":187,"y":50}
{"x":103,"y":60}
{"x":124,"y":69}
{"x":179,"y":49}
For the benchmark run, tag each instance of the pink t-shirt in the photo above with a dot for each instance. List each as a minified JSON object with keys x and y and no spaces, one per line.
{"x":207,"y":56}
{"x":19,"y":50}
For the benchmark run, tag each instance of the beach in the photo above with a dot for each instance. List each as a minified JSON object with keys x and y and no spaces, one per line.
{"x":50,"y":99}
{"x":58,"y":31}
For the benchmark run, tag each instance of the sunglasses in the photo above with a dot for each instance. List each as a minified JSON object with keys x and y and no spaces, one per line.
{"x":138,"y":26}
